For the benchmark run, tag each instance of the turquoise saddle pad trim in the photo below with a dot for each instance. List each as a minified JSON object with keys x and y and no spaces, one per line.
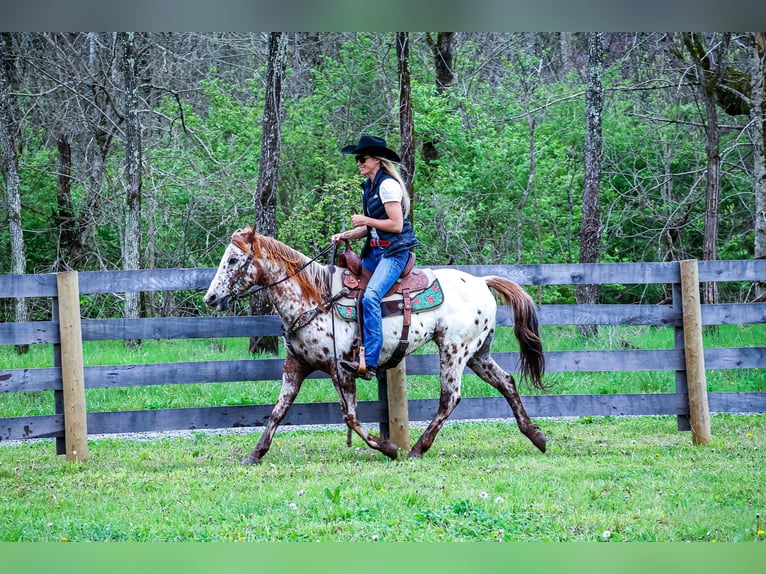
{"x":430,"y":297}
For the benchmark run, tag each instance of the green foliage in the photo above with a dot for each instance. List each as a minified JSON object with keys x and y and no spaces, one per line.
{"x":314,"y":216}
{"x":210,"y":173}
{"x":475,"y":203}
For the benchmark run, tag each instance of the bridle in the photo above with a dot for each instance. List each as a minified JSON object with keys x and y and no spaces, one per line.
{"x":234,"y":288}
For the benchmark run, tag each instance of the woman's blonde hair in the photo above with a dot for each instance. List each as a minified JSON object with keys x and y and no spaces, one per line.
{"x":391,"y":170}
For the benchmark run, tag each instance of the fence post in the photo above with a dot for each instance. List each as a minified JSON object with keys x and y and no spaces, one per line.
{"x":398,"y":415}
{"x":72,"y":370}
{"x":699,"y":413}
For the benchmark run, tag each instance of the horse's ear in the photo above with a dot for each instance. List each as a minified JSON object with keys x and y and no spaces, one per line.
{"x":243,"y":238}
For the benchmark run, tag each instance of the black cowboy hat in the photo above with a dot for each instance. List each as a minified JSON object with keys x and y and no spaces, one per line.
{"x":373,"y":146}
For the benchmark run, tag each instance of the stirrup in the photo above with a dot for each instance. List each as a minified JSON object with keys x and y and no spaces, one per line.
{"x":359,"y":369}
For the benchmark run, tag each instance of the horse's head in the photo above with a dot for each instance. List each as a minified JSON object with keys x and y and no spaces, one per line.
{"x":235,"y":274}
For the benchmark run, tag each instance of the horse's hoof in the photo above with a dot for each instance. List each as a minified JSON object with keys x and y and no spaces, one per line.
{"x":390,"y":450}
{"x":415,"y":454}
{"x":250,"y":460}
{"x":539,"y":440}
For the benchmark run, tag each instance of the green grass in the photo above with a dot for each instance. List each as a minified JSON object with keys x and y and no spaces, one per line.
{"x":555,"y":338}
{"x":603,"y":479}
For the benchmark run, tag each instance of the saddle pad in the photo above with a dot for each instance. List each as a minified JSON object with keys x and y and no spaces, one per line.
{"x":430,"y":297}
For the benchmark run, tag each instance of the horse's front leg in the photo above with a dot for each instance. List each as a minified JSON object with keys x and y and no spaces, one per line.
{"x":345,"y":383}
{"x":293,"y":375}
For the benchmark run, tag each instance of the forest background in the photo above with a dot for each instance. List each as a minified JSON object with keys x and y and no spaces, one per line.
{"x":147,"y":150}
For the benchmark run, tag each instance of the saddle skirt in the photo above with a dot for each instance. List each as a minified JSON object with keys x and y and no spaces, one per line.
{"x":421,"y":287}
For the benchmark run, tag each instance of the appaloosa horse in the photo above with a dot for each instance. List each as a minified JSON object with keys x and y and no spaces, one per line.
{"x":462,"y":326}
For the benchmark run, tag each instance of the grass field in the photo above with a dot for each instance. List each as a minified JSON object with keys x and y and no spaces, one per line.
{"x":602,"y":480}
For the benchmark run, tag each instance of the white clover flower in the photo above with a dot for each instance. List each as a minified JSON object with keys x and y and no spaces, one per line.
{"x":499,"y":500}
{"x":483,"y":495}
{"x":606,"y":534}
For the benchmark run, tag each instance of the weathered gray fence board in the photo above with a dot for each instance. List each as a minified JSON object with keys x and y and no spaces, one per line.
{"x":204,"y":418}
{"x":721,"y":358}
{"x":41,"y":426}
{"x":183,"y":373}
{"x":180,"y":328}
{"x":581,"y":274}
{"x":144,"y":280}
{"x":29,"y":333}
{"x":573,"y":361}
{"x":660,"y":315}
{"x":203,"y":327}
{"x":733,"y":314}
{"x":538,"y":406}
{"x":744,"y":270}
{"x":737,"y":402}
{"x":44,"y":285}
{"x":622,"y":273}
{"x":28,"y":285}
{"x":18,"y":380}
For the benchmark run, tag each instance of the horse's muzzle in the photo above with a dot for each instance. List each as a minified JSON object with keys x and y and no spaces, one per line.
{"x":218,"y":303}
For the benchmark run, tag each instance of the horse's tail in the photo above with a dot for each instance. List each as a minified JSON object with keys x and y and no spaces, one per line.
{"x":531,"y":358}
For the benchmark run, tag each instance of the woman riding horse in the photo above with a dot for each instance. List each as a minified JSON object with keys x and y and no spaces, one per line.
{"x":389,"y":240}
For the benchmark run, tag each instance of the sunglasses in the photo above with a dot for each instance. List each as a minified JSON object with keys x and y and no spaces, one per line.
{"x":362,"y":158}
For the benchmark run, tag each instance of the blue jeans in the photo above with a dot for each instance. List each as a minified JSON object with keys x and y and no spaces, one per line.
{"x":385,"y":272}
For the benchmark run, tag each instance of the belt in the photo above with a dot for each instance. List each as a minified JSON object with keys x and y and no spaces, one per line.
{"x":379,"y":243}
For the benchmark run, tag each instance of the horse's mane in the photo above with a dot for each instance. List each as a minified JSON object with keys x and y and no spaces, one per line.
{"x":310,"y":280}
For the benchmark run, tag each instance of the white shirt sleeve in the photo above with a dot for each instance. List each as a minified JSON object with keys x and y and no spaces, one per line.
{"x":390,"y":190}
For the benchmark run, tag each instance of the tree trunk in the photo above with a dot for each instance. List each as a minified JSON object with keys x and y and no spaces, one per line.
{"x":565,"y":51}
{"x":442,"y":51}
{"x":443,"y":54}
{"x":531,"y":175}
{"x":268,"y":174}
{"x":712,"y":195}
{"x":758,"y":117}
{"x":709,"y":65}
{"x":102,"y":122}
{"x":590,"y":232}
{"x":65,"y":217}
{"x":131,"y":244}
{"x":9,"y":144}
{"x":406,"y":121}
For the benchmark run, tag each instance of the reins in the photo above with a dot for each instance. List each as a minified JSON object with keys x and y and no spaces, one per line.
{"x":257,"y":288}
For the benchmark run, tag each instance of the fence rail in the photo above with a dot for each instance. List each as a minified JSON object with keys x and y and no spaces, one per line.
{"x":668,"y":315}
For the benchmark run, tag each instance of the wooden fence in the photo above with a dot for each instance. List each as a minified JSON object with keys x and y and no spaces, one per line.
{"x":68,"y":377}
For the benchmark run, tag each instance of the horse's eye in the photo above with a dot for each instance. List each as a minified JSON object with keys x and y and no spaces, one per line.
{"x":233,"y":261}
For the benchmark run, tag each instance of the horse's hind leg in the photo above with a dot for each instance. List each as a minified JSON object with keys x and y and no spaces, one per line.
{"x":485,"y":367}
{"x":293,"y":375}
{"x":345,"y":383}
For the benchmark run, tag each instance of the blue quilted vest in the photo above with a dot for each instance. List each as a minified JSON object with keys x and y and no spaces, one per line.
{"x":373,"y":207}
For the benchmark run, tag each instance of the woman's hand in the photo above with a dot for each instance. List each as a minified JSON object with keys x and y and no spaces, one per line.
{"x":356,"y":233}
